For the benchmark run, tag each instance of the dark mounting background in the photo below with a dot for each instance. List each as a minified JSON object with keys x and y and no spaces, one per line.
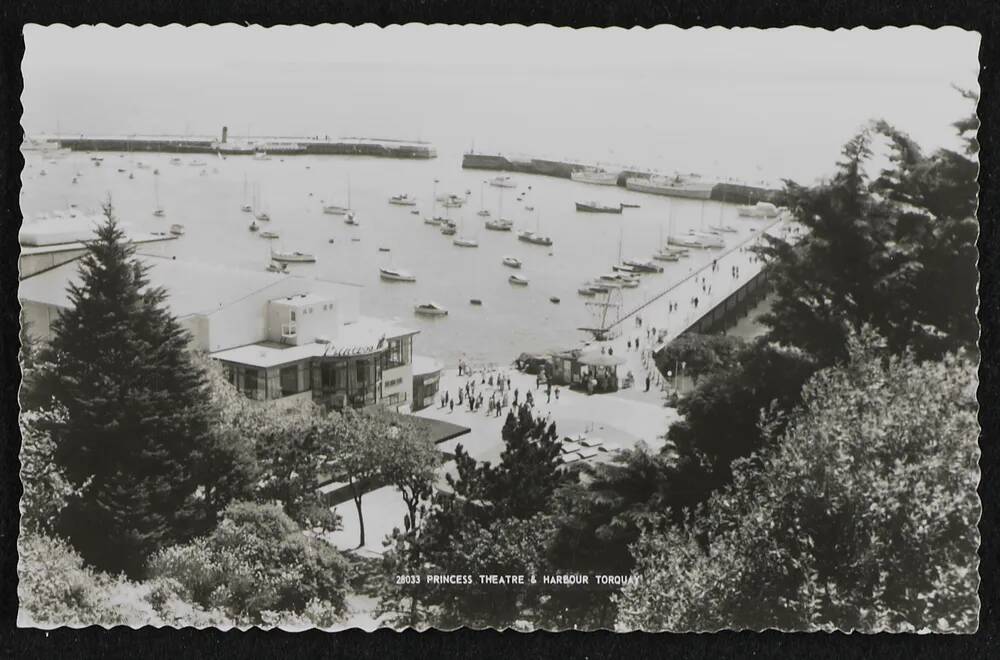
{"x":983,"y":16}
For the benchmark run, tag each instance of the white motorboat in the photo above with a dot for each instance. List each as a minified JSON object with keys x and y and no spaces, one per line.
{"x":596,"y":176}
{"x":436,"y":220}
{"x":352,"y":219}
{"x":641,"y":266}
{"x":174,"y":161}
{"x":500,"y":224}
{"x":484,"y":213}
{"x":758,"y":210}
{"x":518,"y":280}
{"x":430,"y":309}
{"x":513,"y":262}
{"x":270,"y":234}
{"x":729,"y":229}
{"x":466,"y":242}
{"x":293,"y":257}
{"x":396,"y":275}
{"x":449,"y":228}
{"x":667,"y":255}
{"x":177,"y":230}
{"x":688,"y":241}
{"x":403,"y":200}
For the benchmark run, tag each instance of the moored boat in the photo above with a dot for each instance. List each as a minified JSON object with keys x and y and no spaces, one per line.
{"x":449,"y":228}
{"x":352,"y":219}
{"x":466,"y":242}
{"x":518,"y":280}
{"x":533,"y":238}
{"x":499,"y":224}
{"x":433,"y":221}
{"x":595,"y":207}
{"x":177,"y":230}
{"x":402,"y":200}
{"x":396,"y":275}
{"x":293,"y":257}
{"x":688,"y":241}
{"x":430,"y":309}
{"x":643,"y":266}
{"x":512,"y":262}
{"x":596,"y":176}
{"x":269,"y":235}
{"x":758,"y":210}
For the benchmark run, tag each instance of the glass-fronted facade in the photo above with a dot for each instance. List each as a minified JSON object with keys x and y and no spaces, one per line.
{"x":335,"y":381}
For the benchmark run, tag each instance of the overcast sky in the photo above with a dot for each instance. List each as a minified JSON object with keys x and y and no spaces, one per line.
{"x":779,"y":83}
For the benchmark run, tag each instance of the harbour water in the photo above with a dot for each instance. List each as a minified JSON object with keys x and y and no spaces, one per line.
{"x":206,"y":199}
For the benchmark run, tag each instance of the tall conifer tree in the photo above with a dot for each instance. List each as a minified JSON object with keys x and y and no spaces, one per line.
{"x":136,"y":413}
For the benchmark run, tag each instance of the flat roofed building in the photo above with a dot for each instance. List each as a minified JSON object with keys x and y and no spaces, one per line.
{"x":279,"y":337}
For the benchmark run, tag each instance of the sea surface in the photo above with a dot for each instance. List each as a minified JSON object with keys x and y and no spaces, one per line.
{"x":207,"y":199}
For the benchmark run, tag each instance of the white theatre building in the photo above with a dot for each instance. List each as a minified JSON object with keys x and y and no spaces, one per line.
{"x":279,"y":337}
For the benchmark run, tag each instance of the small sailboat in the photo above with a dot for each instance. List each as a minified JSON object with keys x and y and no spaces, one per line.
{"x":158,"y":212}
{"x":483,"y":212}
{"x":449,"y":228}
{"x":396,"y":275}
{"x":433,"y":221}
{"x":261,"y":216}
{"x":512,"y":262}
{"x":334,"y":209}
{"x":253,"y":225}
{"x":430,"y":309}
{"x":177,"y":230}
{"x":246,"y":207}
{"x":518,"y":280}
{"x":554,"y":299}
{"x":271,"y":235}
{"x":535,"y":237}
{"x":352,"y":219}
{"x":465,"y":241}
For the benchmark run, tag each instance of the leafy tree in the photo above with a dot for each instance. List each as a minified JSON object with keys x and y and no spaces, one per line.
{"x":702,"y":354}
{"x":293,"y":459}
{"x":255,"y":562}
{"x":860,"y":515}
{"x":46,"y":488}
{"x":896,"y":251}
{"x":494,"y":521}
{"x":595,"y":521}
{"x":136,"y":418}
{"x":363,"y":444}
{"x":720,"y":417}
{"x":412,"y":468}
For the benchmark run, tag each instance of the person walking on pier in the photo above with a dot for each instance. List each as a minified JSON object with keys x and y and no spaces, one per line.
{"x":630,"y":344}
{"x":452,"y":403}
{"x":647,"y":382}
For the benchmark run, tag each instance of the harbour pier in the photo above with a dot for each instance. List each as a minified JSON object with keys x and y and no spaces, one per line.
{"x":709,"y":299}
{"x":248,"y":146}
{"x":736,"y":193}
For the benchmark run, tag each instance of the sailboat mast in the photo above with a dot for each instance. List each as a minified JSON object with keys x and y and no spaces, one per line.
{"x":349,"y":191}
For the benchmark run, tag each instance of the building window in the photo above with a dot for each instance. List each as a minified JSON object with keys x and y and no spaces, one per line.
{"x":252,"y":384}
{"x":397,"y":354}
{"x":392,"y":382}
{"x":289,"y":377}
